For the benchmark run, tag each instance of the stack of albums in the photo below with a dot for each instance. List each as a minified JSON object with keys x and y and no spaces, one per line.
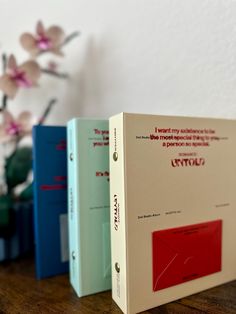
{"x":155,"y":225}
{"x":173,"y":207}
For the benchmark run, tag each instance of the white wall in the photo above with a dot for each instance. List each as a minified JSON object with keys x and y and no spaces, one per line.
{"x":156,"y":56}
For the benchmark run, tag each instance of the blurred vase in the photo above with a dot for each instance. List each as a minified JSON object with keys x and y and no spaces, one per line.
{"x":19,"y":239}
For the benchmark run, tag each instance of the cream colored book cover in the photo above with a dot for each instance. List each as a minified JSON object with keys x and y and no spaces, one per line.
{"x":173,"y":207}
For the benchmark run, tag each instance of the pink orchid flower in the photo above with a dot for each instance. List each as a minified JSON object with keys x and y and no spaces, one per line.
{"x":12,"y":128}
{"x":25,"y":75}
{"x":50,"y":39}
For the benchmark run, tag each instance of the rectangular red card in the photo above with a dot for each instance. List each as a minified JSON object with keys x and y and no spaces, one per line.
{"x":186,"y":253}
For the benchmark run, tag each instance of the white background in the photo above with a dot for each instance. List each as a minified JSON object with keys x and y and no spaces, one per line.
{"x":173,"y":57}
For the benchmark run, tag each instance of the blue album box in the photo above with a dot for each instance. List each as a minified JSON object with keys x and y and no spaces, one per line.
{"x":50,"y":200}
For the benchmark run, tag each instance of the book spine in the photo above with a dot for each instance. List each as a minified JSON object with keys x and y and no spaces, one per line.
{"x":73,"y":205}
{"x":118,"y":216}
{"x":36,"y":202}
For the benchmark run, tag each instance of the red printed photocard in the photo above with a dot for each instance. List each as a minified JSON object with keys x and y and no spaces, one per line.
{"x":186,"y":253}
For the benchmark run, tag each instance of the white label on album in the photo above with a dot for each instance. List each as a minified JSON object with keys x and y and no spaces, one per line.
{"x":64,"y":238}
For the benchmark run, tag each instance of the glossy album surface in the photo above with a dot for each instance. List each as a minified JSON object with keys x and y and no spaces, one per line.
{"x":173,"y":206}
{"x":89,"y":206}
{"x":50,"y":200}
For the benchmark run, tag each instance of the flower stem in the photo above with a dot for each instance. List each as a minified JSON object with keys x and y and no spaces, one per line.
{"x":4,"y":62}
{"x":4,"y":97}
{"x":4,"y":102}
{"x":70,"y":38}
{"x":54,"y":73}
{"x":47,"y":111}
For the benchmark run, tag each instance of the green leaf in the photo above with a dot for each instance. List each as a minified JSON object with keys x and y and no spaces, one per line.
{"x":27,"y":193}
{"x":18,"y":166}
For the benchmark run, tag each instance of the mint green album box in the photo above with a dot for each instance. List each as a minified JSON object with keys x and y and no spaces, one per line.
{"x":88,"y":210}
